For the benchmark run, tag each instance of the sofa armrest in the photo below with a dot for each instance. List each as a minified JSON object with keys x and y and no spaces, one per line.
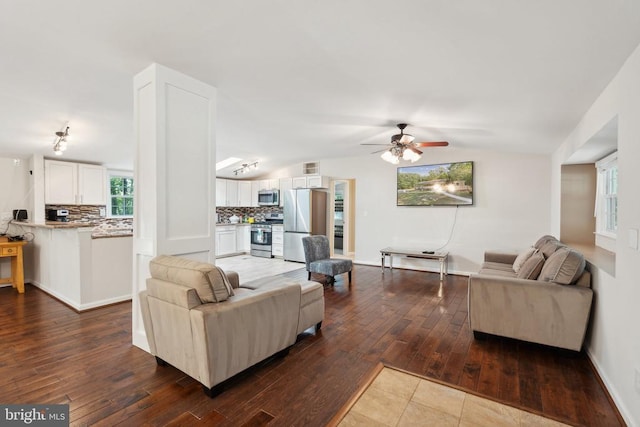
{"x":501,"y":257}
{"x":240,"y":332}
{"x":530,"y":310}
{"x":233,"y":278}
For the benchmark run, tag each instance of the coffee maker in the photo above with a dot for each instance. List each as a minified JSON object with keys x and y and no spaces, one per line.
{"x":59,"y":215}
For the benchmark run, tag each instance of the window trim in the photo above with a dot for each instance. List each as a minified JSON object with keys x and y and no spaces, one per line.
{"x":116,"y":174}
{"x":603,"y":166}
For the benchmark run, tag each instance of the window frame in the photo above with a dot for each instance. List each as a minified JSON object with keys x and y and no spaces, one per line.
{"x":118,"y":174}
{"x":607,"y":196}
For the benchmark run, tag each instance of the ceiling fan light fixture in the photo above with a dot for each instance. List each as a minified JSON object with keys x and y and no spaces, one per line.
{"x":410,"y":155}
{"x":389,"y":156}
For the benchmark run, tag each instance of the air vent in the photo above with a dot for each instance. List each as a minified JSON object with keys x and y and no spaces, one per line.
{"x":311,"y":168}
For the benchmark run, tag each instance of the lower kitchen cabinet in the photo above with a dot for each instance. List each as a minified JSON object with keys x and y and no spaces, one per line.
{"x":225,"y":240}
{"x":243,"y":238}
{"x":277,"y":240}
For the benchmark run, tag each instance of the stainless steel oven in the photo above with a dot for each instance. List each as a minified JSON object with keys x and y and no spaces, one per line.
{"x":261,"y":240}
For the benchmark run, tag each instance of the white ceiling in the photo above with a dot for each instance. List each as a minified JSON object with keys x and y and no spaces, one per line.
{"x":302,"y":80}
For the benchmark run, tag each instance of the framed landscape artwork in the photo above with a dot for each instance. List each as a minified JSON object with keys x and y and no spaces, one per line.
{"x":445,"y":184}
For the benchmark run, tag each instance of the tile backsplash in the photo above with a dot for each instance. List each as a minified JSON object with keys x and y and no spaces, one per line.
{"x":91,"y":215}
{"x":258,"y":213}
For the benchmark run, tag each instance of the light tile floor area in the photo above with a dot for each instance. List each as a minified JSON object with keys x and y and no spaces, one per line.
{"x":250,"y":267}
{"x":396,"y":398}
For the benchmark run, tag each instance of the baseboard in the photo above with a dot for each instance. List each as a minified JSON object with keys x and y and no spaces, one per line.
{"x":611,"y":391}
{"x":426,"y":270}
{"x":79,"y":307}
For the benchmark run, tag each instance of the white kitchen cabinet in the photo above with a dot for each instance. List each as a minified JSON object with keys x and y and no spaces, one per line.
{"x":225,"y":240}
{"x":243,"y":238}
{"x":221,"y":192}
{"x":310,"y":181}
{"x":232,"y":192}
{"x":299,"y":182}
{"x":277,"y":240}
{"x":68,"y":183}
{"x":285,"y":185}
{"x":227,"y":192}
{"x":244,"y":194}
{"x":255,"y":188}
{"x":92,"y":185}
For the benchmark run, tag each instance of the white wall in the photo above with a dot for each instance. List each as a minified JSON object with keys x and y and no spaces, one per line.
{"x":511,"y":207}
{"x":614,"y":341}
{"x":14,"y":181}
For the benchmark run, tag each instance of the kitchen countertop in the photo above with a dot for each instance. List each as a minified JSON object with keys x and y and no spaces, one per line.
{"x":54,"y":224}
{"x":98,"y":233}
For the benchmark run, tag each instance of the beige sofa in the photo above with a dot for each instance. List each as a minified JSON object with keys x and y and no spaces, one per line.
{"x":541,"y":295}
{"x":205,"y":323}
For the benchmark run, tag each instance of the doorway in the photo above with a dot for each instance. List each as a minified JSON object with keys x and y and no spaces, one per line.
{"x":342,"y":224}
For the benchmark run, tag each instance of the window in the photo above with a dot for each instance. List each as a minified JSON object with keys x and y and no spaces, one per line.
{"x":607,"y":197}
{"x":120,"y":194}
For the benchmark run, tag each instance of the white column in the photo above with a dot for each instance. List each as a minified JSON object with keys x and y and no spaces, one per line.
{"x":174,"y":174}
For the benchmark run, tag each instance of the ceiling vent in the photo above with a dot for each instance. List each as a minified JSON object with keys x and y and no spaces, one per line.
{"x":311,"y":168}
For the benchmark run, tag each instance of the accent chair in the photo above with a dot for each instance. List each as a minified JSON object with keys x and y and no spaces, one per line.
{"x":317,"y":259}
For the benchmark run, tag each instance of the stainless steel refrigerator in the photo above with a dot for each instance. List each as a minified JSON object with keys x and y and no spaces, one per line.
{"x":305,"y":214}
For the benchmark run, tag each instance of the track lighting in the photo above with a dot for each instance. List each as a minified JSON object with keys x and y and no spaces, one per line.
{"x":246,"y":167}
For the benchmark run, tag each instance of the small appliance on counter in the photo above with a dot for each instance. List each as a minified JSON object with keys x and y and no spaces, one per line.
{"x":20,"y":215}
{"x":60,"y":215}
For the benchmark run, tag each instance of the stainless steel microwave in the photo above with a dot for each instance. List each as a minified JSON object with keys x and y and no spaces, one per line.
{"x":268,"y":198}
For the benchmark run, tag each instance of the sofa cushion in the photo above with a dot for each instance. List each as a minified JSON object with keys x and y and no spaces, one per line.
{"x":564,"y":266}
{"x":498,"y":266}
{"x":209,"y":281}
{"x":497,"y":272}
{"x":531,"y":267}
{"x":522,"y":257}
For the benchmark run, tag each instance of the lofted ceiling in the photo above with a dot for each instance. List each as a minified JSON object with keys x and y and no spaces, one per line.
{"x":302,"y":80}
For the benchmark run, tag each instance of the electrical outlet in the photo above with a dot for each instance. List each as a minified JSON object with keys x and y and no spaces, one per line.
{"x":637,"y":380}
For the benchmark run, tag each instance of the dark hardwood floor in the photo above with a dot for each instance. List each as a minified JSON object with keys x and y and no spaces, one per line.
{"x":51,"y":354}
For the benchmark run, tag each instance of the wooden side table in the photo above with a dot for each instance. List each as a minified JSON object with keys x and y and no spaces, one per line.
{"x":14,"y":250}
{"x":442,"y":257}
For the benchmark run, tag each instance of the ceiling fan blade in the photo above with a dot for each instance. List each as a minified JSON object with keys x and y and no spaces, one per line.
{"x":431,"y":144}
{"x":415,"y":150}
{"x":380,"y":151}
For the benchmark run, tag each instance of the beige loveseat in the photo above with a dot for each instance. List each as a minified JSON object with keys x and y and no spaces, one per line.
{"x":541,"y":295}
{"x":205,"y":323}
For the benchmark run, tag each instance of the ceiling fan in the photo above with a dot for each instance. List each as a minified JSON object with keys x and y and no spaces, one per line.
{"x":402,"y":146}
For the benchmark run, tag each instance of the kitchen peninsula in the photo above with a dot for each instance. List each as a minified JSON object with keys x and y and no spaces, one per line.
{"x":81,"y":265}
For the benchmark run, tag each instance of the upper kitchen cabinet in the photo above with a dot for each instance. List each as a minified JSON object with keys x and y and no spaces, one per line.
{"x":226,"y":192}
{"x":285,"y":185}
{"x":233,"y":193}
{"x":68,"y":183}
{"x":310,"y":181}
{"x":244,"y":193}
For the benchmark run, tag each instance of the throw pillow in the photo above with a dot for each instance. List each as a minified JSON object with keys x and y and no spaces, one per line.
{"x":531,"y":267}
{"x":564,"y":266}
{"x":550,"y":246}
{"x":541,"y":241}
{"x":220,"y":284}
{"x":522,"y":257}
